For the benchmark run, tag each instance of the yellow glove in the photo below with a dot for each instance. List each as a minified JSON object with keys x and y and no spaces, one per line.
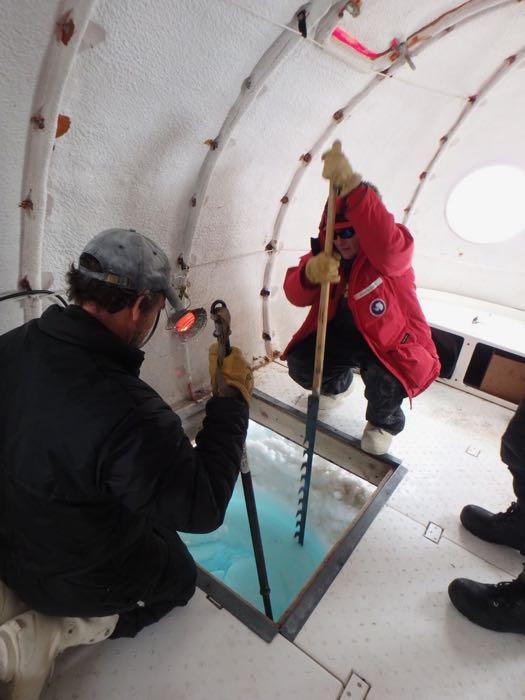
{"x":235,"y":372}
{"x":322,"y":268}
{"x":339,"y":171}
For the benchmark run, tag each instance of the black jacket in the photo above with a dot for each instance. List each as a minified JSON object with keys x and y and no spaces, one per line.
{"x":96,"y":472}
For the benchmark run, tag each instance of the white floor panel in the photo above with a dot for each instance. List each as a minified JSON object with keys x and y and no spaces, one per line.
{"x":196,"y":653}
{"x":387,"y":618}
{"x":386,"y":621}
{"x":445,"y":431}
{"x":442,"y":476}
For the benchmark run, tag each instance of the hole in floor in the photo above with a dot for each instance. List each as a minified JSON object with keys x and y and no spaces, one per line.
{"x":348,"y":489}
{"x":336,"y":497}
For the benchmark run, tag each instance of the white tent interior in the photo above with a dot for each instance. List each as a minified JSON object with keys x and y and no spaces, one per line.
{"x":190,"y":121}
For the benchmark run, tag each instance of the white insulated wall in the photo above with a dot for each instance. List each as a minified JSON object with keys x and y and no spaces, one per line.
{"x":393,"y":134}
{"x":143,"y":101}
{"x":25,"y":28}
{"x":142,"y":104}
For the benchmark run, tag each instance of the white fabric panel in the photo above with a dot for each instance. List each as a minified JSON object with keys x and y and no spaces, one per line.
{"x":459,"y":62}
{"x":258,"y":163}
{"x":141,"y":105}
{"x":392,"y":136}
{"x":286,"y":319}
{"x":25,"y":28}
{"x":493,"y":133}
{"x":143,"y":101}
{"x":279,"y":11}
{"x":387,"y":138}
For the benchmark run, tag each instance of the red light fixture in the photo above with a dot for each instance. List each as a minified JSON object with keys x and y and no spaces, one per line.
{"x":185,"y":322}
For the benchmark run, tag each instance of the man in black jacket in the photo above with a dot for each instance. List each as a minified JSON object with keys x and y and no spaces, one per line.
{"x":96,"y":472}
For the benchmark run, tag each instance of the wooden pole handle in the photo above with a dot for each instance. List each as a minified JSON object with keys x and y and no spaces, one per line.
{"x":322,"y":318}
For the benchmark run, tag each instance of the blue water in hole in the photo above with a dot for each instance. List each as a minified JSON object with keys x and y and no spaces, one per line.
{"x":227,"y":553}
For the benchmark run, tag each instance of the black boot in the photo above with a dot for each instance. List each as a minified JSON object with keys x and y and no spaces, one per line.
{"x":500,"y":528}
{"x":499,"y":607}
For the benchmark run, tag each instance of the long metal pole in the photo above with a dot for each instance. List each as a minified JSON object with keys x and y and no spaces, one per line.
{"x":255,"y":531}
{"x":313,"y":399}
{"x":221,"y":317}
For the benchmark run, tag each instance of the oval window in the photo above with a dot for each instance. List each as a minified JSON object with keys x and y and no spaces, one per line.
{"x":488,"y":205}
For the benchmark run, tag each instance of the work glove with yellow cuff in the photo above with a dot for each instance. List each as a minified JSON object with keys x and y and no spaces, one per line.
{"x":339,"y":171}
{"x":322,"y":268}
{"x":235,"y":374}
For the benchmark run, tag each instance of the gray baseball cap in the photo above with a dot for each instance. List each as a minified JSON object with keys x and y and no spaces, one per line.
{"x":132,"y":261}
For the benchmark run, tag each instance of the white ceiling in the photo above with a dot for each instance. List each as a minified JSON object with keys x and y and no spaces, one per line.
{"x":168,"y":76}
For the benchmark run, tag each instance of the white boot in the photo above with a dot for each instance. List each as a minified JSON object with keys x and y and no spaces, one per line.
{"x":326,"y":401}
{"x":10,"y":604}
{"x":329,"y":401}
{"x":30,"y":643}
{"x":375,"y":441}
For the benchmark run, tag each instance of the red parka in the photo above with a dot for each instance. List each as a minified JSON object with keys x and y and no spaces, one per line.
{"x":381,"y":292}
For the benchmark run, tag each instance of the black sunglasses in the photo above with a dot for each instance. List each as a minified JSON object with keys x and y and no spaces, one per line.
{"x":344,"y":233}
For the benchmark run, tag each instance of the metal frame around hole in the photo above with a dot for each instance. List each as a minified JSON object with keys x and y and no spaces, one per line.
{"x":390,"y":471}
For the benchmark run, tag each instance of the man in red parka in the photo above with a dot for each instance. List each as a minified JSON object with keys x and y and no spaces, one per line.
{"x":375,"y":321}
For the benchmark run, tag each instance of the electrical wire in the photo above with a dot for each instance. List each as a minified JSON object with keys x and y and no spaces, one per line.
{"x":50,"y":292}
{"x":33,"y":292}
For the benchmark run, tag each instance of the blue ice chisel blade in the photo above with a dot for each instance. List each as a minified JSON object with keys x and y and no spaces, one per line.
{"x":309,"y":444}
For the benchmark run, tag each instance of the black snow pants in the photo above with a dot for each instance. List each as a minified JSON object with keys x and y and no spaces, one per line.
{"x":173,"y":588}
{"x":383,"y":391}
{"x":513,"y":450}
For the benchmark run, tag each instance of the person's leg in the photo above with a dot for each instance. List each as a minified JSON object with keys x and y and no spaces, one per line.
{"x":173,"y":588}
{"x":384,"y":415}
{"x":506,"y":528}
{"x":513,"y":451}
{"x":162,"y":601}
{"x":385,"y":395}
{"x":337,"y":366}
{"x":10,"y":604}
{"x":30,"y":643}
{"x":499,"y":607}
